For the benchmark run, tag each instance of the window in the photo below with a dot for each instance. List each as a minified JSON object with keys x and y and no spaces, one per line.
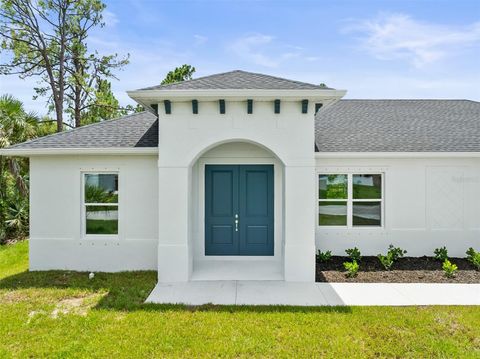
{"x":100,"y":205}
{"x":350,"y":200}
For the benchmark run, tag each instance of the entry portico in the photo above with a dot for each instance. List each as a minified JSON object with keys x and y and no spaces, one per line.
{"x":203,"y":125}
{"x":243,"y":176}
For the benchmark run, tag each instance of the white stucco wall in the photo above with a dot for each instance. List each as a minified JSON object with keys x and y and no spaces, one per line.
{"x":56,"y":239}
{"x":185,"y":137}
{"x":428,"y":203}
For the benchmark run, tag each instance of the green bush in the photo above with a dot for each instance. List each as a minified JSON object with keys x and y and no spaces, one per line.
{"x":473,"y":257}
{"x":387,"y":261}
{"x":449,"y":268}
{"x":354,"y":254}
{"x":352,"y":268}
{"x":324,"y":256}
{"x":393,"y":254}
{"x":441,"y":254}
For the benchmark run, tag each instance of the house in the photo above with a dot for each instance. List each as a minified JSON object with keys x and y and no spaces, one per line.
{"x":243,"y":176}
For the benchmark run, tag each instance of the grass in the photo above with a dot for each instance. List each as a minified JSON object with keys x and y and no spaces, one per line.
{"x":97,"y":226}
{"x":62,"y":314}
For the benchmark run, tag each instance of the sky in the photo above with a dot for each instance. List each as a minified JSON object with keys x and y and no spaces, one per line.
{"x":373,"y":49}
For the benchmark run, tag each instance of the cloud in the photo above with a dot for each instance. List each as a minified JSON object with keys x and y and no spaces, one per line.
{"x":109,"y":18}
{"x":399,"y":36}
{"x":265,"y":50}
{"x":200,"y":39}
{"x":251,"y":48}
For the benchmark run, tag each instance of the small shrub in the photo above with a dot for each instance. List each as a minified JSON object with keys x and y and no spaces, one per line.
{"x":352,"y":268}
{"x":441,"y":254}
{"x":474,"y":258}
{"x":393,"y":254}
{"x":354,"y":254}
{"x":324,"y":256}
{"x":387,"y":261}
{"x":396,"y":252}
{"x":449,"y":268}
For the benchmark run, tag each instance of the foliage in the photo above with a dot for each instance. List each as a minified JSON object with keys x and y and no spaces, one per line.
{"x":179,"y":74}
{"x":352,"y":268}
{"x":48,"y":40}
{"x":449,"y":268}
{"x":441,"y":253}
{"x":386,"y":261}
{"x":103,"y":105}
{"x":354,"y":254}
{"x":393,"y":254}
{"x":473,"y":257}
{"x":16,"y":125}
{"x":96,"y":194}
{"x":17,"y":217}
{"x":324,"y":256}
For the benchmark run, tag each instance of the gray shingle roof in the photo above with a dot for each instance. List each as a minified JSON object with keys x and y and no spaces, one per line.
{"x":347,"y":126}
{"x":136,"y":130}
{"x":238,"y":80}
{"x":399,"y":126}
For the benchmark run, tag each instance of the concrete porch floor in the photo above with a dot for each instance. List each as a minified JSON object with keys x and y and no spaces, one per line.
{"x":314,"y":294}
{"x":225,"y":270}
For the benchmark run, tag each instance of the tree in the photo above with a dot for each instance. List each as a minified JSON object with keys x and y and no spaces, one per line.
{"x":16,"y":125}
{"x":179,"y":74}
{"x":103,"y":105}
{"x":87,"y":87}
{"x":47,"y":39}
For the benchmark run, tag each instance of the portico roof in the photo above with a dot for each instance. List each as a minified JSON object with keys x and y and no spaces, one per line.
{"x":238,"y":80}
{"x":235,"y":85}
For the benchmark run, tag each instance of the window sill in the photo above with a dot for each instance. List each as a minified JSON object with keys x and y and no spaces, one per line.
{"x":99,"y":238}
{"x":370,"y":228}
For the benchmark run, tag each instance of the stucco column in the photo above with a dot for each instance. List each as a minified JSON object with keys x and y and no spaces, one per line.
{"x":173,"y":222}
{"x":299,"y":223}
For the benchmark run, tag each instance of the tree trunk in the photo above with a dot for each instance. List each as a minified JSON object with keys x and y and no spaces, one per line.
{"x":59,"y":114}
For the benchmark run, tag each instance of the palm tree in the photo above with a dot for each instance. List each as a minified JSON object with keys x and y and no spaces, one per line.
{"x":16,"y":125}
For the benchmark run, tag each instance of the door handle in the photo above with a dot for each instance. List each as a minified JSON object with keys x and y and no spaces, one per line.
{"x":236,"y":223}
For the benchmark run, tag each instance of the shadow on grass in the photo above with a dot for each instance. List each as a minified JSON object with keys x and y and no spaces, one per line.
{"x":127,"y":291}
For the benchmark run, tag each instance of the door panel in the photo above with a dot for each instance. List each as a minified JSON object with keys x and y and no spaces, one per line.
{"x":222,"y":193}
{"x":221,"y":205}
{"x":256,"y":210}
{"x":256,"y":187}
{"x":246,"y":191}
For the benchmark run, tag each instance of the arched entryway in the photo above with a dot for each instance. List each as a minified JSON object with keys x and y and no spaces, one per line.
{"x":236,"y":213}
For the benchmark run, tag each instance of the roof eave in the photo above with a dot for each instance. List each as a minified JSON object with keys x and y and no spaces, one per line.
{"x":352,"y":155}
{"x":31,"y":152}
{"x":144,"y":96}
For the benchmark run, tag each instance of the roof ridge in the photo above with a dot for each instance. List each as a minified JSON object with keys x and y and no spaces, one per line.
{"x":282,"y":78}
{"x":258,"y":75}
{"x":190,"y":80}
{"x":33,"y":140}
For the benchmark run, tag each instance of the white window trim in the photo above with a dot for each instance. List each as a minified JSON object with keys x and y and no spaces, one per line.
{"x":350,"y":199}
{"x":83,"y":206}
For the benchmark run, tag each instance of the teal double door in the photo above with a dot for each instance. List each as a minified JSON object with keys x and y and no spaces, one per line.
{"x":239,"y":210}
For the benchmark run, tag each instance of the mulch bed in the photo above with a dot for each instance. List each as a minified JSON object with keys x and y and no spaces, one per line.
{"x":405,"y":270}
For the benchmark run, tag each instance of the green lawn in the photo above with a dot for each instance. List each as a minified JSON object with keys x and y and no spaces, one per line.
{"x":63,"y":314}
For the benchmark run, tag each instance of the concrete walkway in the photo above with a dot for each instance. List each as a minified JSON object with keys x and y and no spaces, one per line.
{"x":314,"y":294}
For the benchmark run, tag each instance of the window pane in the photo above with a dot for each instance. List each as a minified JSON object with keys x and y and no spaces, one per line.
{"x":101,"y":188}
{"x":102,"y":219}
{"x":367,"y":213}
{"x":333,"y":186}
{"x":367,"y":186}
{"x":333,"y":213}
